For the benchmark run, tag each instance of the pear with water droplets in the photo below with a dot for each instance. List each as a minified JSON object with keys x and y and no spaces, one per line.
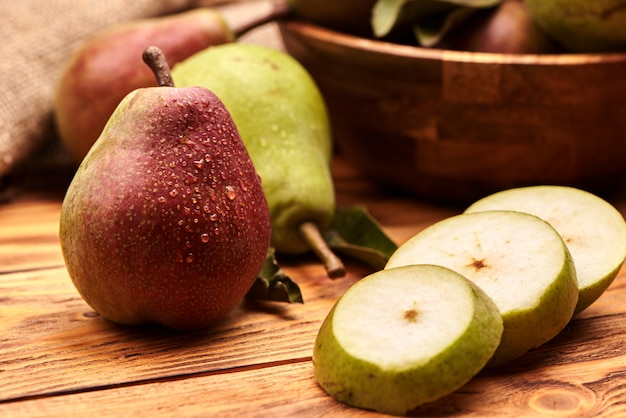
{"x":165,"y":220}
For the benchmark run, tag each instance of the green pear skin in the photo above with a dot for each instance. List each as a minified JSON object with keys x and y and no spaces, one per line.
{"x":582,"y":25}
{"x":283,"y":122}
{"x":370,"y":354}
{"x":165,"y":220}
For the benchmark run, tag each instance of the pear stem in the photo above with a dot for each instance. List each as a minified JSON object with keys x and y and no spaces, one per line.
{"x":311,"y":233}
{"x":155,"y":59}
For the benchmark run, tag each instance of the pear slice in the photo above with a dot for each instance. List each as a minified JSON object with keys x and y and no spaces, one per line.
{"x":518,"y":259}
{"x":402,"y":337}
{"x":593,"y":230}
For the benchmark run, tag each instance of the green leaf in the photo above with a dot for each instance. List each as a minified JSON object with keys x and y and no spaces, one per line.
{"x":356,"y":233}
{"x":273,"y":284}
{"x":429,"y":31}
{"x":432,"y":17}
{"x":385,"y":15}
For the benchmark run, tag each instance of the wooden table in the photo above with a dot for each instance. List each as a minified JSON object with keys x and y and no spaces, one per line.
{"x":58,"y":358}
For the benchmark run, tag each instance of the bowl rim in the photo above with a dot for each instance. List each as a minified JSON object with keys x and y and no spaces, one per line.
{"x":334,"y":37}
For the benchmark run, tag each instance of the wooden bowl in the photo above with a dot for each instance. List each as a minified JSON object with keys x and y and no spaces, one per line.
{"x":454,"y":125}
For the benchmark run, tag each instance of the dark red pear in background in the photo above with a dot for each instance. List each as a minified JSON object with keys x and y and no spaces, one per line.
{"x":108,"y":66}
{"x":507,"y":29}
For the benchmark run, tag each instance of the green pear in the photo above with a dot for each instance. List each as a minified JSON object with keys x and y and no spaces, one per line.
{"x":518,"y":259}
{"x":593,"y":230}
{"x":402,"y":337}
{"x":165,"y":220}
{"x":582,"y":25}
{"x":108,"y":66}
{"x":283,"y":121}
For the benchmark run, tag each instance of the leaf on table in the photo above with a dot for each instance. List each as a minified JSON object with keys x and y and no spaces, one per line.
{"x":356,"y":233}
{"x":430,"y":19}
{"x":273,"y":284}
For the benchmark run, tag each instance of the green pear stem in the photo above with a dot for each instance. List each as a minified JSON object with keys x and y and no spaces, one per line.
{"x":155,"y":59}
{"x":279,"y":9}
{"x":334,"y":266}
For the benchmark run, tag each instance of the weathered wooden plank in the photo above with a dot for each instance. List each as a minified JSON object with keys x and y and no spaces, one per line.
{"x":29,"y":235}
{"x":586,"y":389}
{"x":50,"y":341}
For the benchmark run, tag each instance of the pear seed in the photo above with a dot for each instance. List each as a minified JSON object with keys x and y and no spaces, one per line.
{"x":410,"y":315}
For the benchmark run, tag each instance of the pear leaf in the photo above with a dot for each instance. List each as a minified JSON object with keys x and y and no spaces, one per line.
{"x":432,"y":17}
{"x":272,"y":284}
{"x":429,"y":32}
{"x":385,"y":15}
{"x":356,"y":233}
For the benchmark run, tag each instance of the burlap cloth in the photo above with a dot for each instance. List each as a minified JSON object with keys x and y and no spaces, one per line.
{"x":36,"y":38}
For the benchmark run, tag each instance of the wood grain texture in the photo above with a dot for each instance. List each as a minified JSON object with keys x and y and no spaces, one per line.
{"x":59,"y":359}
{"x":29,"y":237}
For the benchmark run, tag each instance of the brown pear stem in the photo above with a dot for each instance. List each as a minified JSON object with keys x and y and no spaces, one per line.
{"x":311,"y":233}
{"x":278,"y":9}
{"x":154,"y":57}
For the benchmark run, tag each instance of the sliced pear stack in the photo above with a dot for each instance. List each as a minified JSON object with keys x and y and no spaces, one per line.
{"x":518,"y":259}
{"x":477,"y":289}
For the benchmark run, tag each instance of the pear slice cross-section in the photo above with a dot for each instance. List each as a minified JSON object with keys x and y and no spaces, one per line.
{"x":593,"y":230}
{"x":403,"y":337}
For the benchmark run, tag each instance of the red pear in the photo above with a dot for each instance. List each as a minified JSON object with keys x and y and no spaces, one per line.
{"x":165,"y":220}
